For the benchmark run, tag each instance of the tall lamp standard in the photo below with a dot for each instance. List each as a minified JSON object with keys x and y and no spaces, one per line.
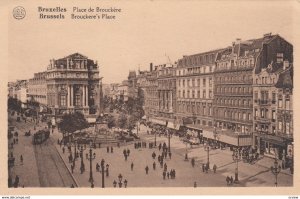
{"x":102,"y":172}
{"x":236,"y":156}
{"x":169,"y":142}
{"x":276,"y":170}
{"x":81,"y":156}
{"x":91,"y":157}
{"x":75,"y":145}
{"x":207,"y":148}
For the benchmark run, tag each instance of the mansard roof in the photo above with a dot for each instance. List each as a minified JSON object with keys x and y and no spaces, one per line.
{"x":76,"y":56}
{"x":285,"y":79}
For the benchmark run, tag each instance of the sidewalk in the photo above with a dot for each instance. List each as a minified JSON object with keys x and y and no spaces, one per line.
{"x":28,"y":171}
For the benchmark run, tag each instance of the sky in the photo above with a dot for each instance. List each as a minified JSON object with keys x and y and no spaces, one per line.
{"x":143,"y":32}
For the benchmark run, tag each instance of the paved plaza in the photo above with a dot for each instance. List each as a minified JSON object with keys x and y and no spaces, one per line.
{"x":47,"y":166}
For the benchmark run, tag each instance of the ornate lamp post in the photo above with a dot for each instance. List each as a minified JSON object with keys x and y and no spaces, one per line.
{"x":91,"y":157}
{"x":207,"y":148}
{"x":102,"y":172}
{"x":236,"y":156}
{"x":81,"y":156}
{"x":169,"y":142}
{"x":276,"y":170}
{"x":75,"y":145}
{"x":120,"y":180}
{"x":155,"y":137}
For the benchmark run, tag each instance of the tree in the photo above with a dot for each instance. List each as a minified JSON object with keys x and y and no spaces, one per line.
{"x":73,"y":122}
{"x":122,"y":120}
{"x":14,"y":104}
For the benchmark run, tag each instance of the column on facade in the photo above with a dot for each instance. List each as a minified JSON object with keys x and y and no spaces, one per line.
{"x":83,"y":99}
{"x":86,"y":96}
{"x":68,"y":96}
{"x":71,"y":97}
{"x":171,"y":101}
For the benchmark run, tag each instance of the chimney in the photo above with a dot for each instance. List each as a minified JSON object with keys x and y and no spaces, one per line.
{"x":285,"y":64}
{"x":268,"y":35}
{"x":151,"y":67}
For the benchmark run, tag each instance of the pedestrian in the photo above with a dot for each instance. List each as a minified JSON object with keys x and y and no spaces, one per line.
{"x":128,"y":152}
{"x":72,"y":186}
{"x":170,"y":154}
{"x":166,"y":155}
{"x":125,"y":156}
{"x":227,"y":180}
{"x":158,"y":158}
{"x":164,"y":175}
{"x":97,"y":167}
{"x":154,"y":165}
{"x":63,"y":149}
{"x":231,"y":180}
{"x":215,"y":168}
{"x":125,"y":183}
{"x":153,"y":155}
{"x":195,"y":184}
{"x":21,"y":159}
{"x":168,"y":175}
{"x":159,"y":146}
{"x":193,"y":162}
{"x":72,"y":168}
{"x":17,"y":180}
{"x":131,"y":166}
{"x":107,"y":149}
{"x":107,"y":171}
{"x":206,"y":167}
{"x":92,"y":185}
{"x":165,"y":167}
{"x":174,"y":173}
{"x":111,"y":149}
{"x":115,"y":183}
{"x":147,"y":169}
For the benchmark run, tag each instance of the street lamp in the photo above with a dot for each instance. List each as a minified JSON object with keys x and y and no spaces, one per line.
{"x":169,"y":142}
{"x":276,"y":170}
{"x":82,"y":164}
{"x":120,"y":180}
{"x":236,"y":156}
{"x":91,"y":157}
{"x":75,"y":142}
{"x":207,"y":148}
{"x":102,"y":172}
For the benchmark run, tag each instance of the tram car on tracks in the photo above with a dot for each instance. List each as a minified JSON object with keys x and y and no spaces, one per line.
{"x":40,"y":136}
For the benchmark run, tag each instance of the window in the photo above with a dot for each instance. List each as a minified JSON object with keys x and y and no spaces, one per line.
{"x":183,"y":93}
{"x":287,"y":104}
{"x":198,"y":82}
{"x":279,"y":57}
{"x":280,"y":125}
{"x":204,"y":82}
{"x":273,"y":115}
{"x":193,"y":94}
{"x":188,"y":94}
{"x":249,"y":117}
{"x":77,"y":100}
{"x":204,"y":94}
{"x":179,"y":82}
{"x":183,"y":82}
{"x":244,"y":116}
{"x":210,"y":94}
{"x":198,"y":94}
{"x":193,"y":82}
{"x":63,"y":100}
{"x":280,"y":103}
{"x":255,"y":95}
{"x":179,"y":93}
{"x":188,"y":82}
{"x":273,"y":98}
{"x":210,"y":81}
{"x":262,"y":113}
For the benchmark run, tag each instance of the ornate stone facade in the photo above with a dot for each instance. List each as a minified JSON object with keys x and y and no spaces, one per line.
{"x":73,"y":84}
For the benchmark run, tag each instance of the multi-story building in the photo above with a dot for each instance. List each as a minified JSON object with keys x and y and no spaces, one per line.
{"x":132,"y":85}
{"x":235,"y":67}
{"x":37,"y":88}
{"x":151,"y":96}
{"x":18,"y":90}
{"x":73,"y":84}
{"x":194,"y":87}
{"x":166,"y":92}
{"x":272,"y":108}
{"x":123,"y":90}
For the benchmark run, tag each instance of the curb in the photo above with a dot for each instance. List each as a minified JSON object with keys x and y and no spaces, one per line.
{"x":76,"y":183}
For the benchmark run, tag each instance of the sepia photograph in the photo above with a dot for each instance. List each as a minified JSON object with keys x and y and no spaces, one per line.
{"x":152,"y":94}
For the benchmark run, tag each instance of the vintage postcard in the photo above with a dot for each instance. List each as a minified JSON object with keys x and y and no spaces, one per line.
{"x":149,"y":97}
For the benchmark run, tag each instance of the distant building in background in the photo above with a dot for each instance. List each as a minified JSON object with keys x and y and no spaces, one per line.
{"x":18,"y":90}
{"x":37,"y":88}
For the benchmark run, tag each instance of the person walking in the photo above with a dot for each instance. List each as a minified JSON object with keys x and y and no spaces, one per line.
{"x":153,"y":155}
{"x":154,"y":165}
{"x":107,"y":149}
{"x":170,"y":155}
{"x":164,"y":175}
{"x":147,"y":169}
{"x":159,"y":146}
{"x":215,"y":168}
{"x":193,"y":162}
{"x":21,"y":159}
{"x":195,"y":184}
{"x":168,"y":175}
{"x":227,"y":180}
{"x":128,"y":152}
{"x":131,"y":166}
{"x":111,"y":149}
